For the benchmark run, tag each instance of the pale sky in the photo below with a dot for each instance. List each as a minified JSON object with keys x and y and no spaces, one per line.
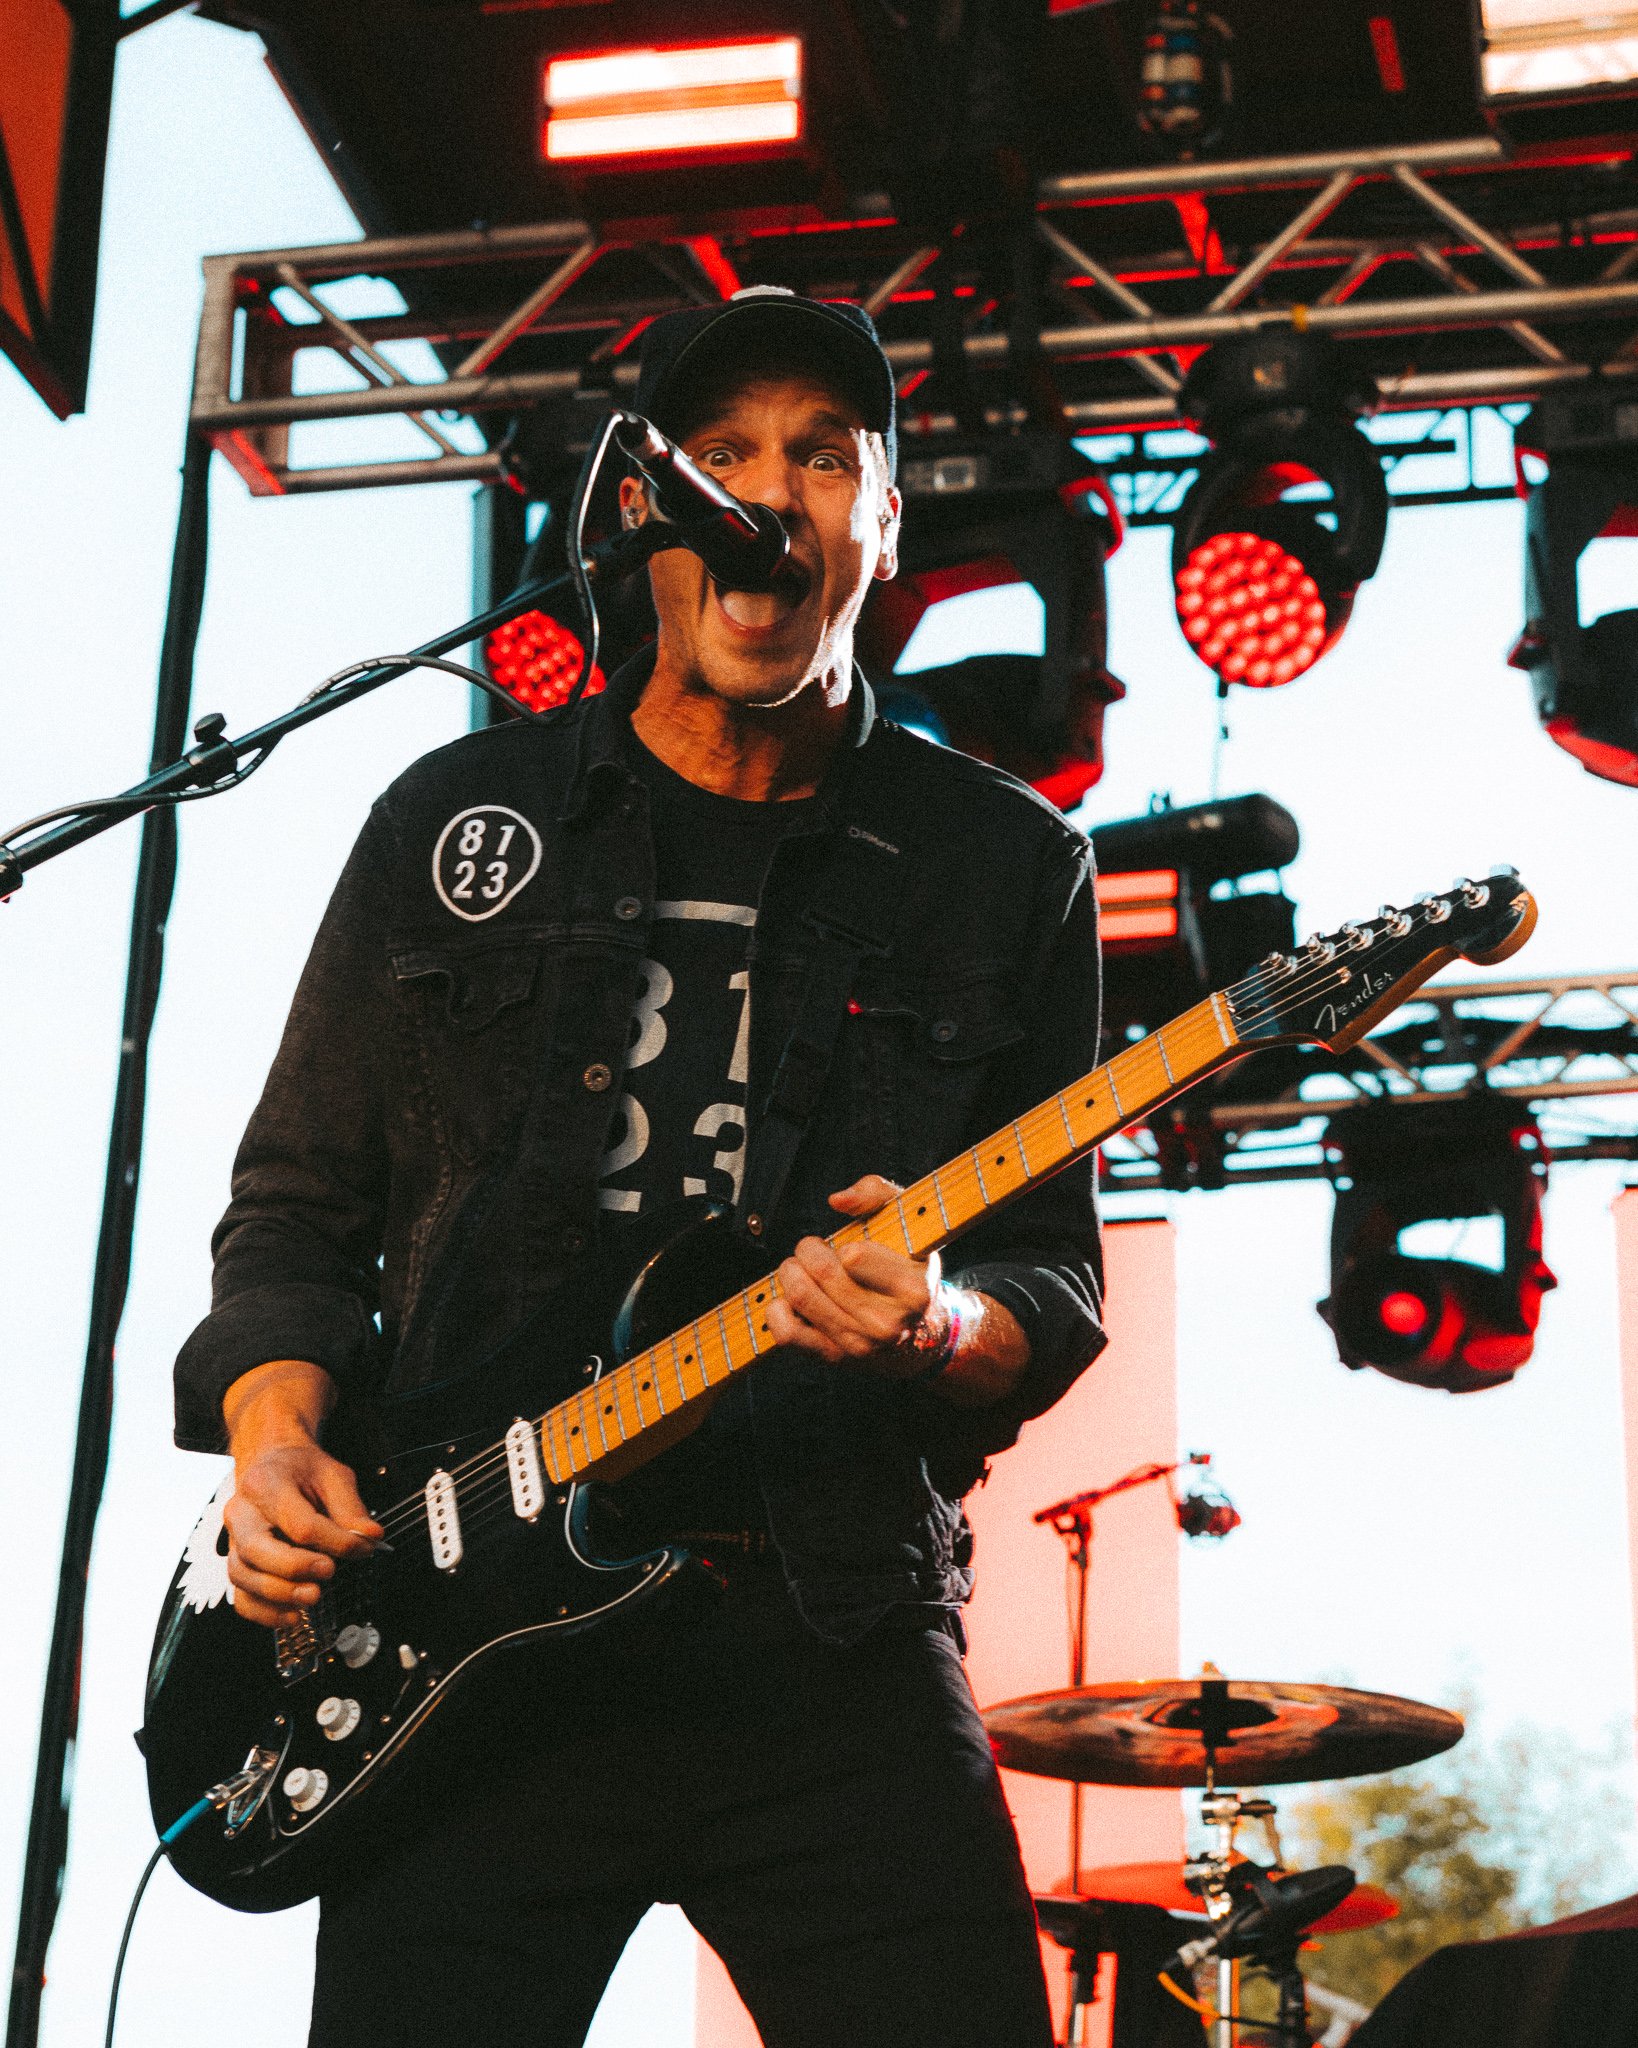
{"x":1392,"y":1538}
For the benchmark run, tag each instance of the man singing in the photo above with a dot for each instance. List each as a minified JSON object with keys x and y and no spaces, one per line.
{"x":720,"y":932}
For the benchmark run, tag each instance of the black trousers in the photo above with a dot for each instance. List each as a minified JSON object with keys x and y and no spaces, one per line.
{"x":828,"y":1818}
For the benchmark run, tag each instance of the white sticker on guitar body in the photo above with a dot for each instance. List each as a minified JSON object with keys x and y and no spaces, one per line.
{"x":203,"y":1580}
{"x":484,"y":856}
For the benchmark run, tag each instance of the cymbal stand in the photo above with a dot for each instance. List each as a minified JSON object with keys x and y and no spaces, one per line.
{"x":1224,"y":1813}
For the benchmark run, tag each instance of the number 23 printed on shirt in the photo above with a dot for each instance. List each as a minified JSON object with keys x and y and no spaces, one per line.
{"x":484,"y":856}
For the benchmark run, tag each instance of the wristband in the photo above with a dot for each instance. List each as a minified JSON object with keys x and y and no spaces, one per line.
{"x":937,"y":1347}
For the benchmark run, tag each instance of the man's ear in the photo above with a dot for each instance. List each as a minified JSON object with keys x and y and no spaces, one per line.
{"x":633,"y":502}
{"x":887,"y":562}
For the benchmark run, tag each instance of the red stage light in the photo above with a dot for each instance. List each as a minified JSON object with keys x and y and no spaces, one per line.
{"x":536,"y":660}
{"x":1250,"y":610}
{"x":658,"y":103}
{"x":1405,"y":1314}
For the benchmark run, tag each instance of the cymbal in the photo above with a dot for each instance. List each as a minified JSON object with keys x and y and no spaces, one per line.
{"x":1249,"y":1731}
{"x":1161,"y":1884}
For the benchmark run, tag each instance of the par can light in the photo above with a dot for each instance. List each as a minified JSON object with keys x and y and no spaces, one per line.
{"x":537,"y":660}
{"x":1264,"y":579}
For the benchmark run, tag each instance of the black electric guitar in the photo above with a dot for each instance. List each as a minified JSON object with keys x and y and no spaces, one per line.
{"x":483,"y":1488}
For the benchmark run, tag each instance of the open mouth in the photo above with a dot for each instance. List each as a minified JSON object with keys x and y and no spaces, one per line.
{"x":759,"y":611}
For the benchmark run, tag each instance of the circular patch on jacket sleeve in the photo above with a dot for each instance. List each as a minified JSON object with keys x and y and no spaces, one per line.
{"x":484,"y":856}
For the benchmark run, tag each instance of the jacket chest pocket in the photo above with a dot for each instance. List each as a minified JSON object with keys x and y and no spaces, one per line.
{"x":928,"y":1050}
{"x":464,"y":1014}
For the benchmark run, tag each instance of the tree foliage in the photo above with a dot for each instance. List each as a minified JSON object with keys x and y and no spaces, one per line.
{"x":1501,"y":1834}
{"x":1425,"y":1846}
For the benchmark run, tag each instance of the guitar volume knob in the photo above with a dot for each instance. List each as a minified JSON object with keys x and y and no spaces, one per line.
{"x":338,"y":1717}
{"x":305,"y":1789}
{"x":356,"y":1644}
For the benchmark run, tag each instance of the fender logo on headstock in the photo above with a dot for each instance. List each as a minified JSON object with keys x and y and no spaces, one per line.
{"x":1329,"y":1018}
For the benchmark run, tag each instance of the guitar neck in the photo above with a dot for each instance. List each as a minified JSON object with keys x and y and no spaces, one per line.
{"x":607,"y":1418}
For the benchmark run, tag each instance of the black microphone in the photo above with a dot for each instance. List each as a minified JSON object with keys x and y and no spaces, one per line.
{"x":1277,"y":1911}
{"x":743,"y":546}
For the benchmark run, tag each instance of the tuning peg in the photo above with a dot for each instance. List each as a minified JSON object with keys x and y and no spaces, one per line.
{"x":1436,"y":907}
{"x":1398,"y":921}
{"x":1358,"y":939}
{"x":1276,"y":964}
{"x":1318,"y":950}
{"x":1474,"y":894}
{"x":1504,"y":873}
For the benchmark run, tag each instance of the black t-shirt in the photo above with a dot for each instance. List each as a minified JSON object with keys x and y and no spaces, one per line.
{"x":679,"y":1127}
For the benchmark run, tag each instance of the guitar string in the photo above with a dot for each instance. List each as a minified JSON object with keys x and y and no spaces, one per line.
{"x":480,"y":1503}
{"x":410,"y":1513}
{"x":481,"y":1498}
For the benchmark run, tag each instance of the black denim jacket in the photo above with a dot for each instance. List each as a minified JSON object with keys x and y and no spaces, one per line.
{"x":421,"y":1171}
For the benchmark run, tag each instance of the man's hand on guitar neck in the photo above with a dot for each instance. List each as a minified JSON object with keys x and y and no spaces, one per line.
{"x":859,"y":1307}
{"x":295,"y":1509}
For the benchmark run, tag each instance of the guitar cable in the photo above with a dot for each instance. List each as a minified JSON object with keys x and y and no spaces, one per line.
{"x":213,"y":1801}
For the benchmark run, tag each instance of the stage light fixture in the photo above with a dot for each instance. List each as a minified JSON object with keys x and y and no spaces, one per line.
{"x":1584,"y":672}
{"x":536,"y":658}
{"x":1174,"y":919}
{"x":702,"y":98}
{"x":1288,"y":514}
{"x":1452,"y":1322}
{"x":983,"y":514}
{"x":1538,"y":50}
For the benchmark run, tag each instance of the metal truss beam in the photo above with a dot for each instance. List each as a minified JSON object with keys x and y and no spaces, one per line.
{"x":1393,"y":251}
{"x":1558,"y":1045}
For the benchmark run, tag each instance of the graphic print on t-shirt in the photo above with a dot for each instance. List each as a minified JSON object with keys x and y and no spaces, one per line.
{"x":690,"y":1055}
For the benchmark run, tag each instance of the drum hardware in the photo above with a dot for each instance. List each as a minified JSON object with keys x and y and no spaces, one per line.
{"x":1220,"y":1734}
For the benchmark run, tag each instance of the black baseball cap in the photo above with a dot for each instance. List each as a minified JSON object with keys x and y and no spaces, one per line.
{"x":678,"y":347}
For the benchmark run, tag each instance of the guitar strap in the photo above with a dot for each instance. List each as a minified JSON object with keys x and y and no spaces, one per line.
{"x":849,"y":926}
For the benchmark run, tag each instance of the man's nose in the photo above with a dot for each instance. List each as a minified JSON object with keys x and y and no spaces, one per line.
{"x":772,"y":481}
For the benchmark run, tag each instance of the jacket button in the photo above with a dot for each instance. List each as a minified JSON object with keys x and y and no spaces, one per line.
{"x":944,"y":1031}
{"x":629,"y":907}
{"x":597,"y":1077}
{"x":754,"y":1225}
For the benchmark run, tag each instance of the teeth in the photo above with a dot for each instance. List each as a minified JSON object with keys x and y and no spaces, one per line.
{"x":757,"y":607}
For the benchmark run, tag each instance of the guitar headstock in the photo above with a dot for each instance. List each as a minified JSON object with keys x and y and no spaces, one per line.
{"x":1337,"y":986}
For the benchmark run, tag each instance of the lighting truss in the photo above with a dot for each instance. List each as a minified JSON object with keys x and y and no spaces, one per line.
{"x":1565,"y":1045}
{"x":1443,"y":455}
{"x":1441,"y":266}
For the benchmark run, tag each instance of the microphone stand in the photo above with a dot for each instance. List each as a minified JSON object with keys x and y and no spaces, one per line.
{"x":1072,"y":1519}
{"x":215,"y":764}
{"x":212,"y":766}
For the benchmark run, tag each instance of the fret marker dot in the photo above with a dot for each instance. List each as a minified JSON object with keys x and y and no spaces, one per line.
{"x":688,"y":1358}
{"x":608,"y":1408}
{"x":647,"y":1385}
{"x":574,"y":1429}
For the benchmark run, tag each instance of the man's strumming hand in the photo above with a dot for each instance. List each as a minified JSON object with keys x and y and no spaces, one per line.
{"x":861,"y":1307}
{"x":295,"y":1510}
